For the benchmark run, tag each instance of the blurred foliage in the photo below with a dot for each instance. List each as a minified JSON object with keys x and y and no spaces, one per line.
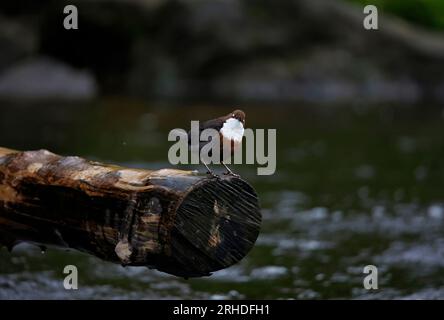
{"x":427,"y":13}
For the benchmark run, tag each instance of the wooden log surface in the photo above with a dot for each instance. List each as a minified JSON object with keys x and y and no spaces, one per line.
{"x":175,"y":221}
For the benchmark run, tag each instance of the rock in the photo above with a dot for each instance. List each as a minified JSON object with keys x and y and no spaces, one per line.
{"x":45,"y":78}
{"x":295,"y":50}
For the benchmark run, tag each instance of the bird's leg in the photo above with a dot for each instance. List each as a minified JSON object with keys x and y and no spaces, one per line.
{"x":210,"y":172}
{"x":229,"y":172}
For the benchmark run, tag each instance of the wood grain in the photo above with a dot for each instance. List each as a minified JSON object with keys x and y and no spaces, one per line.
{"x":175,"y":221}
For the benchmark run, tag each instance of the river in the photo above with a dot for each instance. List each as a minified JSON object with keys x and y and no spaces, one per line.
{"x":354,"y":186}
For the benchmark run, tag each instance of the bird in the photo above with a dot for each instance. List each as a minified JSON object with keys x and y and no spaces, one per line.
{"x":231,"y":131}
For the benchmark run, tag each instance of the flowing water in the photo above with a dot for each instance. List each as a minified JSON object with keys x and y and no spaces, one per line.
{"x":354,"y":186}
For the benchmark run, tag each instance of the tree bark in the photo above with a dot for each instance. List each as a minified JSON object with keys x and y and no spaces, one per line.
{"x":175,"y":221}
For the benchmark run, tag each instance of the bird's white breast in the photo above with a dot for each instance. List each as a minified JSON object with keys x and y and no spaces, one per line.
{"x":232,"y":129}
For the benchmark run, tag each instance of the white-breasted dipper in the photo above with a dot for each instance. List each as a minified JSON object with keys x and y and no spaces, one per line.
{"x":231,"y":131}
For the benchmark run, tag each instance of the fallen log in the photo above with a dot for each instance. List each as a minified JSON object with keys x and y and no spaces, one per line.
{"x":175,"y":221}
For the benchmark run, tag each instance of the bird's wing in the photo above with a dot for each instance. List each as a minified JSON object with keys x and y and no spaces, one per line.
{"x":216,"y":124}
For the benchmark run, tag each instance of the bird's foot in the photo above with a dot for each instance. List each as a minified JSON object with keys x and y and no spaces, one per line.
{"x":231,"y":173}
{"x":212,"y":174}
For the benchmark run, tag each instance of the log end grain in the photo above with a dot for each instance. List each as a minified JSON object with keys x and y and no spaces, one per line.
{"x":216,"y":225}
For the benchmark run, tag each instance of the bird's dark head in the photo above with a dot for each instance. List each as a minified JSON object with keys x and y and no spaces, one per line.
{"x":239,"y":115}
